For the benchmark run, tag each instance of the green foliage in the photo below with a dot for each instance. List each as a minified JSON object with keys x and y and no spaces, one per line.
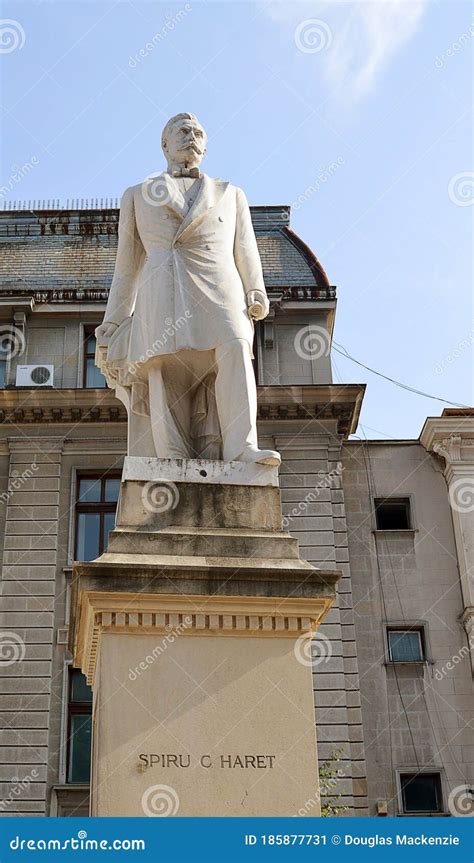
{"x":329,"y":775}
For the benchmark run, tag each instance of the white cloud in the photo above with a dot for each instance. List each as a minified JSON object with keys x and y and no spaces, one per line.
{"x":366,"y":36}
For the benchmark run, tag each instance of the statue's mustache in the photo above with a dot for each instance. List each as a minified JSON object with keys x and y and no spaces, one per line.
{"x":192,"y":146}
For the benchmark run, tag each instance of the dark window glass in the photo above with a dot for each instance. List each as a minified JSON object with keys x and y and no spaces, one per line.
{"x":92,"y":377}
{"x":421,"y":792}
{"x":89,"y":489}
{"x":88,"y":535}
{"x":95,"y":514}
{"x":79,"y":728}
{"x":405,"y":645}
{"x":3,"y":372}
{"x":112,"y":488}
{"x":393,"y":514}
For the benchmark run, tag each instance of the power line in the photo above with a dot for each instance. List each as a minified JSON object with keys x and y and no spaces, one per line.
{"x":344,"y":353}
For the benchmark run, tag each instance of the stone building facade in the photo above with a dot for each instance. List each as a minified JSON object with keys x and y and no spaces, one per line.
{"x":392,"y":663}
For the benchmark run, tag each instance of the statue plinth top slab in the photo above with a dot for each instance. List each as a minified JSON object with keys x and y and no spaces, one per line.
{"x":199,"y":470}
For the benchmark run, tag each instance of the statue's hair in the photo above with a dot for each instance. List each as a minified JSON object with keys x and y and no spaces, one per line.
{"x":173,"y":120}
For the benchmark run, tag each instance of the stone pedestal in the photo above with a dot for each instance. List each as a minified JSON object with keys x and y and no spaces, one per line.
{"x":193,"y":629}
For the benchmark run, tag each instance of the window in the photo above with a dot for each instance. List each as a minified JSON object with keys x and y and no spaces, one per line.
{"x":96,"y":503}
{"x":5,"y":353}
{"x":92,"y":377}
{"x":79,"y":728}
{"x":406,"y":645}
{"x":392,"y":513}
{"x":421,"y":792}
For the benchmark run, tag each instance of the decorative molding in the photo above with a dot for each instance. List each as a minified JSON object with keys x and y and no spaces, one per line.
{"x":449,"y":448}
{"x":19,"y":406}
{"x":12,"y":297}
{"x":269,"y":328}
{"x":174,"y":615}
{"x":340,"y":402}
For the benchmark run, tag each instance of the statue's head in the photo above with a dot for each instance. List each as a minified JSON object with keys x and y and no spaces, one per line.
{"x":184,"y":141}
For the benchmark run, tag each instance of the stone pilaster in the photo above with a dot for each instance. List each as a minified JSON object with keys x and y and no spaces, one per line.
{"x":27,"y":620}
{"x":451,"y":437}
{"x":313,"y":506}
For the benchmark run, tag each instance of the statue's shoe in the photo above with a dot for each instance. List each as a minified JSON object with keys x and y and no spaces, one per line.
{"x":261,"y":456}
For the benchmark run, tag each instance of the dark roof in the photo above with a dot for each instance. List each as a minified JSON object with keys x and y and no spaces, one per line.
{"x":74,"y":249}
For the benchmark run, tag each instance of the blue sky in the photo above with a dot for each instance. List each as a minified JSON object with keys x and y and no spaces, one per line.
{"x":362,"y":111}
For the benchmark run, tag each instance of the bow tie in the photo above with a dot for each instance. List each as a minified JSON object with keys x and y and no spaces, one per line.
{"x":187,"y":172}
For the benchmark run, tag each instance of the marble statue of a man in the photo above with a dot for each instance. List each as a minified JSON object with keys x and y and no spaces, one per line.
{"x":176,"y":340}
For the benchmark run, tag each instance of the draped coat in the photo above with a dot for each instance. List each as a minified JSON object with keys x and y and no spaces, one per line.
{"x":181,"y":274}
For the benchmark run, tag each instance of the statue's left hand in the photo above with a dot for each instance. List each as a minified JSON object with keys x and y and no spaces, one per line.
{"x":258,"y":305}
{"x":104,"y":332}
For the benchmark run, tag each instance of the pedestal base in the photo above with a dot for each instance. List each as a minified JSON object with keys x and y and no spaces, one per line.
{"x":193,"y":629}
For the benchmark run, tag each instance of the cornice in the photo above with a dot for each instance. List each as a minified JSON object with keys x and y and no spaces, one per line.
{"x":174,"y":616}
{"x":340,"y":402}
{"x":437,"y":429}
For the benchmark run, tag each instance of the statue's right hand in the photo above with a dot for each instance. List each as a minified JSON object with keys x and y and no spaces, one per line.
{"x":104,"y":332}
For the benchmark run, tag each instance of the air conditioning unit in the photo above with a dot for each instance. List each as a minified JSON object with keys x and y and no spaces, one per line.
{"x":34,"y":376}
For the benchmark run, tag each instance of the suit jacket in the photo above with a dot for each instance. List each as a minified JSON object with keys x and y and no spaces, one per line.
{"x":181,"y":275}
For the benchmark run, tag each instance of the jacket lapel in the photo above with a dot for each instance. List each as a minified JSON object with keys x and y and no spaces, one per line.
{"x":163,"y":187}
{"x":209,"y":194}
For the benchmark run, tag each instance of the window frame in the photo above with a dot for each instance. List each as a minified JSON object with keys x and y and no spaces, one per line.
{"x":407,"y":626}
{"x":74,"y":708}
{"x":101,"y":506}
{"x":416,"y":771}
{"x":86,"y":331}
{"x":388,"y":499}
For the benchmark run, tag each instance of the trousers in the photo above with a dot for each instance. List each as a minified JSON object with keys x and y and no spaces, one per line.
{"x":175,"y":383}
